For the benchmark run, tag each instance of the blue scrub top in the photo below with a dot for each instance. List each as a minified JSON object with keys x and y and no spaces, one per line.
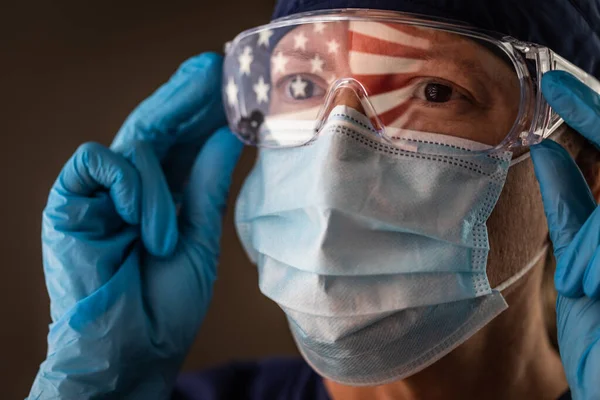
{"x":269,"y":379}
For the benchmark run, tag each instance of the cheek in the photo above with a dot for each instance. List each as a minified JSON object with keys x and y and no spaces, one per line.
{"x":517,"y":227}
{"x":501,"y":120}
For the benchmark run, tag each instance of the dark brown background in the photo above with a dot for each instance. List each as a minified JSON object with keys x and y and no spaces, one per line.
{"x":70,"y":72}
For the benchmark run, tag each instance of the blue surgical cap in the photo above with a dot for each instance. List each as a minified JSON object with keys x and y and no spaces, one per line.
{"x":569,"y":27}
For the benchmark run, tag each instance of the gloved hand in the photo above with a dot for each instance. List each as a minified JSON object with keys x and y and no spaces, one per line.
{"x":130,"y":278}
{"x":574,"y":222}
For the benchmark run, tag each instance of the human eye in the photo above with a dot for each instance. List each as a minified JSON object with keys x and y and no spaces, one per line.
{"x":301,"y":87}
{"x":436,"y":92}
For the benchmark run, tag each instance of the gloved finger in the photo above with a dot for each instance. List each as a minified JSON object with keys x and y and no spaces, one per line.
{"x":158,"y":213}
{"x":186,"y":109}
{"x":568,"y":201}
{"x":575,"y":261}
{"x":94,"y":167}
{"x":206,"y":194}
{"x":84,"y":233}
{"x":591,"y":277}
{"x":192,"y":273}
{"x":576,"y":103}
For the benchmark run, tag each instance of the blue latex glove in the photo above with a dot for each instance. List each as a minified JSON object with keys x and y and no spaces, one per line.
{"x":129,"y":279}
{"x":574,"y":222}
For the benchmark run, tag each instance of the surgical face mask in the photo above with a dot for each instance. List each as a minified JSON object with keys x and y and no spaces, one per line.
{"x":376,"y":253}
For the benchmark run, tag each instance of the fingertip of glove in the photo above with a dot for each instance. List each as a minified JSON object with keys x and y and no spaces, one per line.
{"x":559,"y":88}
{"x":209,"y":64}
{"x":162,"y":248}
{"x":551,"y":161}
{"x":188,"y":105}
{"x":160,"y":232}
{"x":204,"y":60}
{"x":556,"y":80}
{"x":574,"y":101}
{"x":558,"y":84}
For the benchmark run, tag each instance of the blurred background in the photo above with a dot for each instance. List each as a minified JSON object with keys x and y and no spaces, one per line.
{"x":70,"y":72}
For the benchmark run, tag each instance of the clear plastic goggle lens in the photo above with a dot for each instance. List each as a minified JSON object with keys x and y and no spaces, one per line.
{"x":281,"y":84}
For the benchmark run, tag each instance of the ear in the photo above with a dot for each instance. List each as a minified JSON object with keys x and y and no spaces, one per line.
{"x":585,"y":154}
{"x":596,"y":190}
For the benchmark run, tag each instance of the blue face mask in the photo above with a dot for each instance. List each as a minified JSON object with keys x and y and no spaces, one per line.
{"x":377,"y":255}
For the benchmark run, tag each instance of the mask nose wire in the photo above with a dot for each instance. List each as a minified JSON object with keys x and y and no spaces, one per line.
{"x":351,"y":93}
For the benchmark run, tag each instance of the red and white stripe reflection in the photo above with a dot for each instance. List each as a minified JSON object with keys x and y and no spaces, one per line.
{"x":414,"y":77}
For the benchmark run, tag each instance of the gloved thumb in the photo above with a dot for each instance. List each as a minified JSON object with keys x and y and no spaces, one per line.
{"x":206,"y":193}
{"x":577,"y":104}
{"x":568,"y":202}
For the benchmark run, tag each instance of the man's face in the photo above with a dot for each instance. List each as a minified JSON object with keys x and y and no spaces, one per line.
{"x":425,"y":80}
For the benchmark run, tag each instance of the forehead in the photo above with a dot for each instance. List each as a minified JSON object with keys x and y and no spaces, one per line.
{"x":377,"y":35}
{"x":367,"y":48}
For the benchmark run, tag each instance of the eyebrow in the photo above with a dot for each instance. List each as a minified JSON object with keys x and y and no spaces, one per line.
{"x":470,"y":67}
{"x":309,"y":55}
{"x":464,"y":65}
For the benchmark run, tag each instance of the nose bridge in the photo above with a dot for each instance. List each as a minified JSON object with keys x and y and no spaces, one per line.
{"x":351,"y":93}
{"x":348,"y":92}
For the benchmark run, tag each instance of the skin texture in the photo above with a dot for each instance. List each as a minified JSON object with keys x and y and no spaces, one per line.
{"x":511,"y":357}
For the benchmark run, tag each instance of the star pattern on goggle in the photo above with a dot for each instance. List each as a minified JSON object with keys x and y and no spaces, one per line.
{"x":298,"y":87}
{"x":293,"y":63}
{"x":279,"y":63}
{"x":245,"y":59}
{"x":264,"y":37}
{"x":262,"y":91}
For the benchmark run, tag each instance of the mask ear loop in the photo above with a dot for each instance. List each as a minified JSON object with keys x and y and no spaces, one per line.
{"x":523,"y":271}
{"x":519,"y":159}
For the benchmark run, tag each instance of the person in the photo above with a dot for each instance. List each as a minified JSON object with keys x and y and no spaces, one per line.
{"x":369,"y":229}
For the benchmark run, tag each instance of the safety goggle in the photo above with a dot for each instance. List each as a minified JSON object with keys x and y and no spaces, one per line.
{"x":405,"y":73}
